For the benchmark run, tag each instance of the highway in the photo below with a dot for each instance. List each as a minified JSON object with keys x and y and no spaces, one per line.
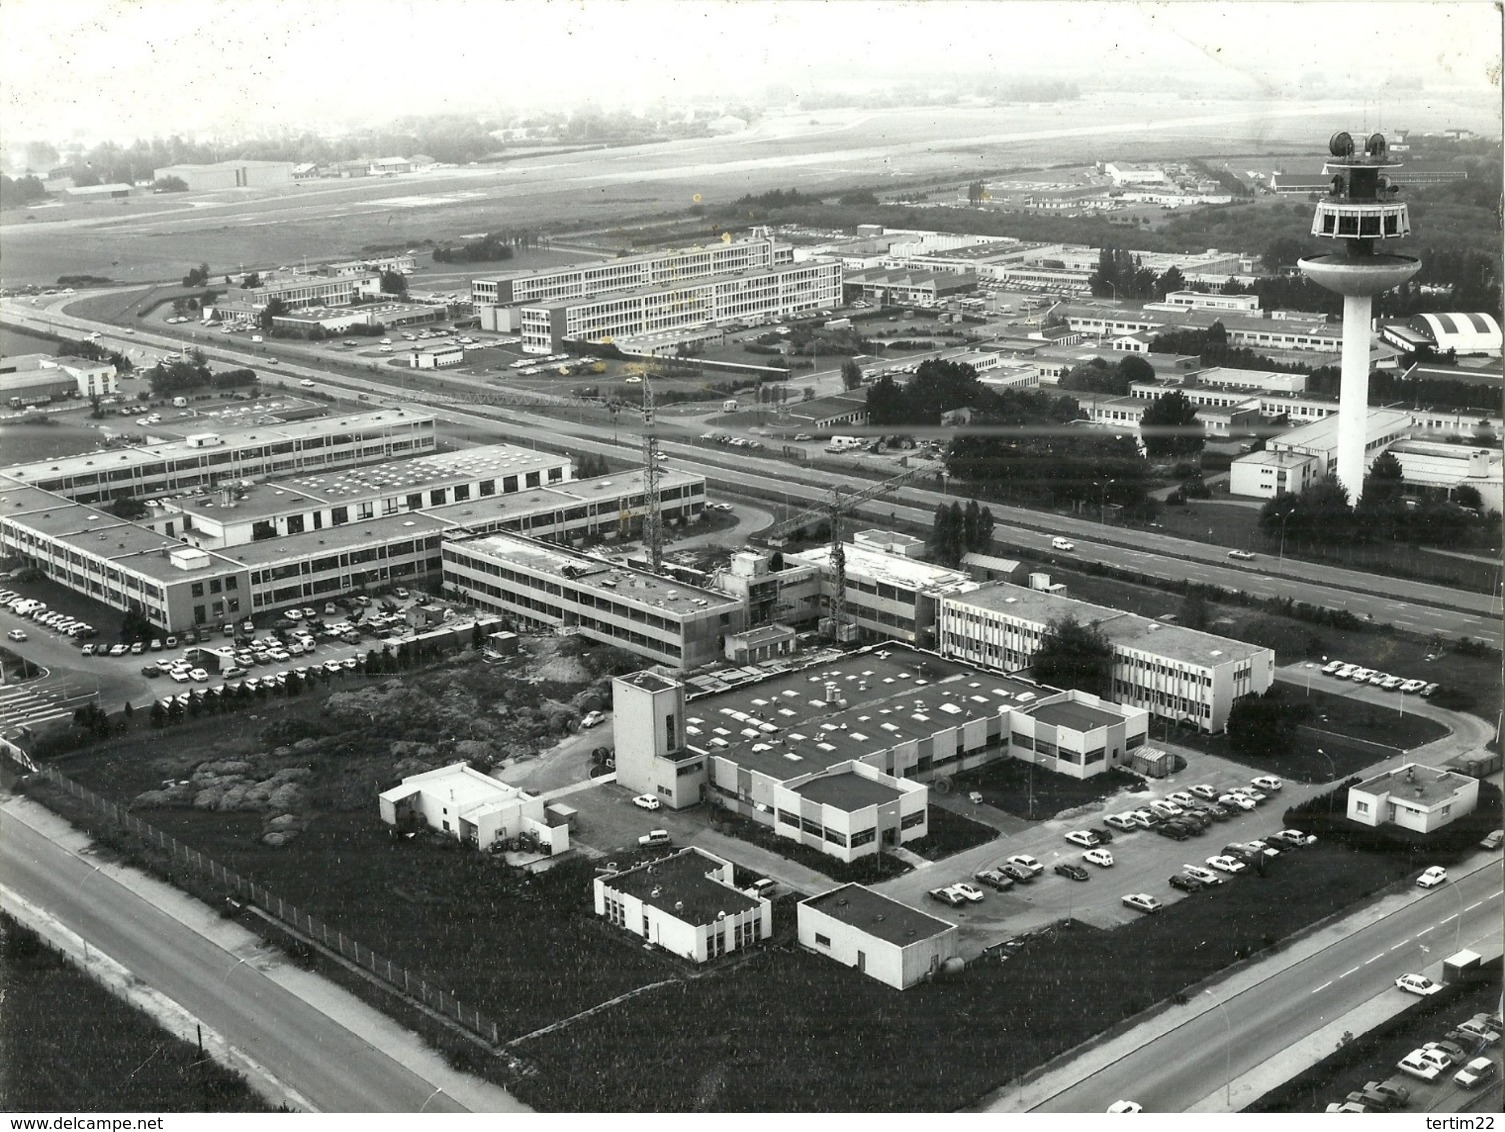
{"x":1176,"y":1071}
{"x":1416,"y":607}
{"x":234,"y":983}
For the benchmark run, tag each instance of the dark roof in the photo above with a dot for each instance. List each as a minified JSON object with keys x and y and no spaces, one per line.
{"x":847,"y":790}
{"x":878,"y":916}
{"x":1077,"y":717}
{"x":682,"y":880}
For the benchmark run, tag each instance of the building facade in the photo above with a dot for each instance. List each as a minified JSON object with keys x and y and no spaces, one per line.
{"x":1414,"y":797}
{"x":686,"y":904}
{"x":473,"y":808}
{"x":879,"y":937}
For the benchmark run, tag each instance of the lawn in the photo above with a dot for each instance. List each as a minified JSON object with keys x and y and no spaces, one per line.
{"x":1352,"y":733}
{"x":950,"y":833}
{"x":72,"y":1046}
{"x":842,"y":1042}
{"x":1035,"y":793}
{"x":866,"y":870}
{"x":1355,"y":1063}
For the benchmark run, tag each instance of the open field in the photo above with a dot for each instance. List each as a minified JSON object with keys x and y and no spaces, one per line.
{"x":72,"y":1046}
{"x":154,"y":238}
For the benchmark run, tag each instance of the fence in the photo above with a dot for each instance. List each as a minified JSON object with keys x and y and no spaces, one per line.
{"x":400,"y":978}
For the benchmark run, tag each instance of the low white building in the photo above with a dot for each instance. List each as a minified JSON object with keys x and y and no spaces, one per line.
{"x":1430,"y":464}
{"x":1415,"y":797}
{"x":891,"y":942}
{"x":686,"y":904}
{"x":1265,"y":475}
{"x":436,"y":357}
{"x":472,"y":807}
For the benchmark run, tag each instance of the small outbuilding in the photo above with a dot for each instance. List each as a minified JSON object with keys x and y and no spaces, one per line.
{"x":892,"y":942}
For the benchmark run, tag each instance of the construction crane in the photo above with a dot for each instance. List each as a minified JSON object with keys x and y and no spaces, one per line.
{"x":653,"y":519}
{"x":841,"y":503}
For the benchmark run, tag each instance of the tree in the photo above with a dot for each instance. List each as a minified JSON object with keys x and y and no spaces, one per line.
{"x":251,"y":281}
{"x":851,"y":375}
{"x":1264,"y":726}
{"x":394,"y":283}
{"x":275,"y":307}
{"x":977,"y":528}
{"x":127,"y":506}
{"x":1466,"y":495}
{"x":169,"y":185}
{"x":197,"y":276}
{"x":135,"y":627}
{"x":1384,"y":479}
{"x":1073,"y":655}
{"x":1131,"y":368}
{"x":1193,"y":612}
{"x":159,"y":715}
{"x":1170,"y":427}
{"x":946,"y":535}
{"x":1170,"y":280}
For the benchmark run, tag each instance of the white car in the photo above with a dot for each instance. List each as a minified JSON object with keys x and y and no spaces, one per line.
{"x":1267,"y":782}
{"x":17,"y":634}
{"x":1062,"y":544}
{"x":178,"y":675}
{"x":1241,"y":801}
{"x":1099,"y":857}
{"x":1027,"y":863}
{"x":1417,"y":1065}
{"x":646,"y":802}
{"x":1120,"y":821}
{"x":1332,"y":667}
{"x":1249,"y":792}
{"x":198,"y":675}
{"x":1413,"y":685}
{"x":1142,"y":901}
{"x":1361,"y":675}
{"x":656,"y":837}
{"x":1202,"y":790}
{"x":1226,"y":864}
{"x":1083,"y":838}
{"x":1432,"y":877}
{"x":968,"y":892}
{"x":1181,"y":798}
{"x":1477,"y":1071}
{"x":1242,"y":555}
{"x":1206,"y":876}
{"x":1418,"y":984}
{"x":593,"y":719}
{"x":1165,"y":809}
{"x":1126,"y":1106}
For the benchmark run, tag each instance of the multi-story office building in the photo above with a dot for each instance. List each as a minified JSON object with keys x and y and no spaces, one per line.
{"x":1175,"y":673}
{"x":651,"y":270}
{"x":832,"y":754}
{"x":541,"y":586}
{"x":774,"y":292}
{"x":209,"y":460}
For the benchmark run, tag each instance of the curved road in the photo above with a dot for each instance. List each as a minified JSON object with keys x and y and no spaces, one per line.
{"x":339,"y":1054}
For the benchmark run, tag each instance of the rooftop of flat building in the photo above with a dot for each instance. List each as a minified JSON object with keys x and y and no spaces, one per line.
{"x":1413,"y":782}
{"x":680,"y":885}
{"x":878,"y":916}
{"x":891,"y":569}
{"x":1074,"y":715}
{"x":847,"y":790}
{"x":589,"y":574}
{"x":358,"y":535}
{"x":643,"y":257}
{"x":693,"y":283}
{"x":1127,"y":630}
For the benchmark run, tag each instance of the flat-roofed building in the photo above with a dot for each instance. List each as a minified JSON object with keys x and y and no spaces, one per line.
{"x":1205,"y":301}
{"x":473,"y":808}
{"x":649,"y":270}
{"x":34,"y":378}
{"x":888,"y":596}
{"x":904,"y":285}
{"x":686,"y":904}
{"x":1319,"y":439}
{"x":1171,"y":671}
{"x":888,"y":941}
{"x":850,"y":810}
{"x":1442,"y":467}
{"x":1415,"y":797}
{"x":759,"y":293}
{"x":1264,"y":475}
{"x":208,"y":460}
{"x":541,"y":586}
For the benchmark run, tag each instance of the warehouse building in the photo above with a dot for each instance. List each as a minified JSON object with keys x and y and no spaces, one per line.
{"x":686,"y":904}
{"x":30,"y":379}
{"x":1175,"y":673}
{"x":1462,"y":334}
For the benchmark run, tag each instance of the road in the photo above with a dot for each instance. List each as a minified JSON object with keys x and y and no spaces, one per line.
{"x":339,"y":1054}
{"x":1180,"y":1069}
{"x":1413,"y":606}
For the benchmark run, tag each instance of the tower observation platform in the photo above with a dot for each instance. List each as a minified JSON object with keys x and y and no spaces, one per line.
{"x":1360,"y":212}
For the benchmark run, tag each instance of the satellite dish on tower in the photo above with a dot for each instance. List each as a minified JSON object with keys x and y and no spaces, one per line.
{"x":1340,"y":144}
{"x":1376,"y":146}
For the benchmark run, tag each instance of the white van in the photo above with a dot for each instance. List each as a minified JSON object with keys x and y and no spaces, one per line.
{"x":256,"y":338}
{"x":1059,"y":543}
{"x":843,"y":443}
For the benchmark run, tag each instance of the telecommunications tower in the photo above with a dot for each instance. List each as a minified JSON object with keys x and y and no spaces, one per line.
{"x":1359,"y":211}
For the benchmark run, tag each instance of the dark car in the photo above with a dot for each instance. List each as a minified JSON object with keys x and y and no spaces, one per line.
{"x":1371,"y":1100}
{"x":1395,"y":1095}
{"x":1173,"y":831}
{"x":1102,"y":833}
{"x":1217,"y":812}
{"x":993,"y":878}
{"x":1014,"y":872}
{"x":1469,"y":1043}
{"x":1197,"y":819}
{"x":1186,"y":883}
{"x":1075,"y":872}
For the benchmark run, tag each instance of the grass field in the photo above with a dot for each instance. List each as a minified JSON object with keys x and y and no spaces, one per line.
{"x":1038,"y":794}
{"x":69,"y":1045}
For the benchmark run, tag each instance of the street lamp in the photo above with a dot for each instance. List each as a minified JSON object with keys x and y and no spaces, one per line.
{"x":1102,"y":499}
{"x":1332,"y":770}
{"x":1228,"y":1050}
{"x":1284,"y":516}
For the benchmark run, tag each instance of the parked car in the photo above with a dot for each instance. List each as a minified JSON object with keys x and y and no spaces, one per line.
{"x":1332,"y":666}
{"x":968,"y":892}
{"x":1493,"y":839}
{"x":1074,"y":872}
{"x":656,"y":837}
{"x":1083,"y":838}
{"x":17,"y":634}
{"x":1432,"y":877}
{"x":947,"y":896}
{"x":1182,"y":799}
{"x":994,"y":879}
{"x":1225,"y":864}
{"x":1142,"y":902}
{"x":646,"y":802}
{"x":1206,"y":876}
{"x":1267,"y":782}
{"x":1481,"y":1030}
{"x":1293,"y":837}
{"x":1418,"y":1066}
{"x":1429,"y":691}
{"x":1238,"y":801}
{"x":1396,"y":1095}
{"x":1173,"y":830}
{"x":1102,"y":858}
{"x":1186,"y":883}
{"x":1028,"y":863}
{"x":593,"y":719}
{"x":1417,"y":984}
{"x":1015,"y":873}
{"x":1104,"y":836}
{"x":1121,"y":821}
{"x":1476,"y":1072}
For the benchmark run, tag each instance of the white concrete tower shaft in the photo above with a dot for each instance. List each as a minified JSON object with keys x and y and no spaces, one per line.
{"x":1353,"y":395}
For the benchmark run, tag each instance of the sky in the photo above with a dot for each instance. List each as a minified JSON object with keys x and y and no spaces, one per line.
{"x":121,"y":69}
